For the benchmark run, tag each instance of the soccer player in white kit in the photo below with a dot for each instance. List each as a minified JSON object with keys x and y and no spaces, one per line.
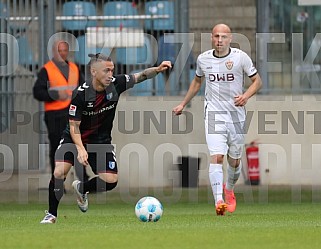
{"x":224,"y":110}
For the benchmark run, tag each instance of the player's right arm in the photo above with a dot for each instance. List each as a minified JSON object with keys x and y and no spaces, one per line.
{"x":76,"y":138}
{"x":75,"y":113}
{"x":194,"y":87}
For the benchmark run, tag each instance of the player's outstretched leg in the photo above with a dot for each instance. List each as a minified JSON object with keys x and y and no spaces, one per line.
{"x":82,"y":199}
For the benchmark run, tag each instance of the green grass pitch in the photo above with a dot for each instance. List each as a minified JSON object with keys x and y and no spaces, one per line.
{"x":272,"y":221}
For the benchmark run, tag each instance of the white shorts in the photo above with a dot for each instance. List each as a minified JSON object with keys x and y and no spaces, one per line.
{"x":225,"y":138}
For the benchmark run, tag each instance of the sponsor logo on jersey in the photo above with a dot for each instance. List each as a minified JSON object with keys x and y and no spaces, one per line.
{"x":217,"y":77}
{"x":90,"y":104}
{"x":111,"y":165}
{"x":92,"y":113}
{"x":229,"y":64}
{"x":109,"y":96}
{"x":72,"y":110}
{"x":127,"y":78}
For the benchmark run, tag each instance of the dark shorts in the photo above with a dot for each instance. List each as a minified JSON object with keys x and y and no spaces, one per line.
{"x":101,"y":158}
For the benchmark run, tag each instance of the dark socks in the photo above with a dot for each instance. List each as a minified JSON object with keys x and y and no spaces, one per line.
{"x":96,"y":185}
{"x":56,"y":191}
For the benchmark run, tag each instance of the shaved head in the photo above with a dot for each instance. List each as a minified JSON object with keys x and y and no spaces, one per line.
{"x":221,"y":28}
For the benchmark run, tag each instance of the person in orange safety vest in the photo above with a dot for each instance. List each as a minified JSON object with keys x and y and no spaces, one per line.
{"x":54,"y":85}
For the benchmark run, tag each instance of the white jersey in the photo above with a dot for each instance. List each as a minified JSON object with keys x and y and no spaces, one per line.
{"x":224,"y":80}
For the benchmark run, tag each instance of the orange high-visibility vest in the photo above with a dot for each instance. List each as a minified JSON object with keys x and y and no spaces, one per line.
{"x":58,"y":82}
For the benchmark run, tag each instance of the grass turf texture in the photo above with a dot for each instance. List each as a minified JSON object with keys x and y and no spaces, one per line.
{"x":273,"y":223}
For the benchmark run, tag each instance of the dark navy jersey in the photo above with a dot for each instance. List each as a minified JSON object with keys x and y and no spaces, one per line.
{"x":96,"y":110}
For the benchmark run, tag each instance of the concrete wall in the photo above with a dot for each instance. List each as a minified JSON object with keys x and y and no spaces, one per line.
{"x":287,"y":128}
{"x":149,"y":141}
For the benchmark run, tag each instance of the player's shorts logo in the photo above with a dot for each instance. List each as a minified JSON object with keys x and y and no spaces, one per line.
{"x":111,"y":165}
{"x":229,"y":64}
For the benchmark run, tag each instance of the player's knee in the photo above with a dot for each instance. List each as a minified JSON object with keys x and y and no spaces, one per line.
{"x":109,"y":177}
{"x":233,"y":162}
{"x":58,"y":173}
{"x":217,"y":159}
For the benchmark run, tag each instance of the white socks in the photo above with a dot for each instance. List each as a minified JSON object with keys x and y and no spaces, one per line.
{"x":233,"y":175}
{"x":216,"y":180}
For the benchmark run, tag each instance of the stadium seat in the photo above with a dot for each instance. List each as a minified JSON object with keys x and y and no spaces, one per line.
{"x":136,"y":55}
{"x":26,"y":57}
{"x":3,"y":10}
{"x":160,"y":8}
{"x":146,"y":88}
{"x":169,"y":50}
{"x":78,"y":8}
{"x":81,"y":56}
{"x":121,"y":8}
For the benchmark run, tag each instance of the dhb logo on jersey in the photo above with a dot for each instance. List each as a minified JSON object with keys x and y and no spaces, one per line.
{"x":217,"y":77}
{"x":72,"y":110}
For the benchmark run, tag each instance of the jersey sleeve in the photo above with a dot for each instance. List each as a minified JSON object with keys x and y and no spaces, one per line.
{"x":76,"y":106}
{"x":199,"y":71}
{"x":248,"y":66}
{"x":123,"y":82}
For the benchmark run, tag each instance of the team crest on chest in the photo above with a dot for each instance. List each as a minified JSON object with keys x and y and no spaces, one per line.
{"x":229,"y":64}
{"x":109,"y":96}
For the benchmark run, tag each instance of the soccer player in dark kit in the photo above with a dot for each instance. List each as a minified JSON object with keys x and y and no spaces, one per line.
{"x":86,"y":142}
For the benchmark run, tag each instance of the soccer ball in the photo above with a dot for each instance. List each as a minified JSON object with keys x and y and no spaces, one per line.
{"x":148,"y":209}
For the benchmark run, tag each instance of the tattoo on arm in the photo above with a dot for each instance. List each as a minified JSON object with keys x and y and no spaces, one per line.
{"x":146,"y":74}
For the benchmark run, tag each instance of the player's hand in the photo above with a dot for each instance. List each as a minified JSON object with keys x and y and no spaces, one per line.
{"x":82,"y":156}
{"x":164,"y":66}
{"x":240,"y":100}
{"x":178,"y":109}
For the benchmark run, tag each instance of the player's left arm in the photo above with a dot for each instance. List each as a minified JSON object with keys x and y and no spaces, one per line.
{"x":152,"y":72}
{"x":241,"y":100}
